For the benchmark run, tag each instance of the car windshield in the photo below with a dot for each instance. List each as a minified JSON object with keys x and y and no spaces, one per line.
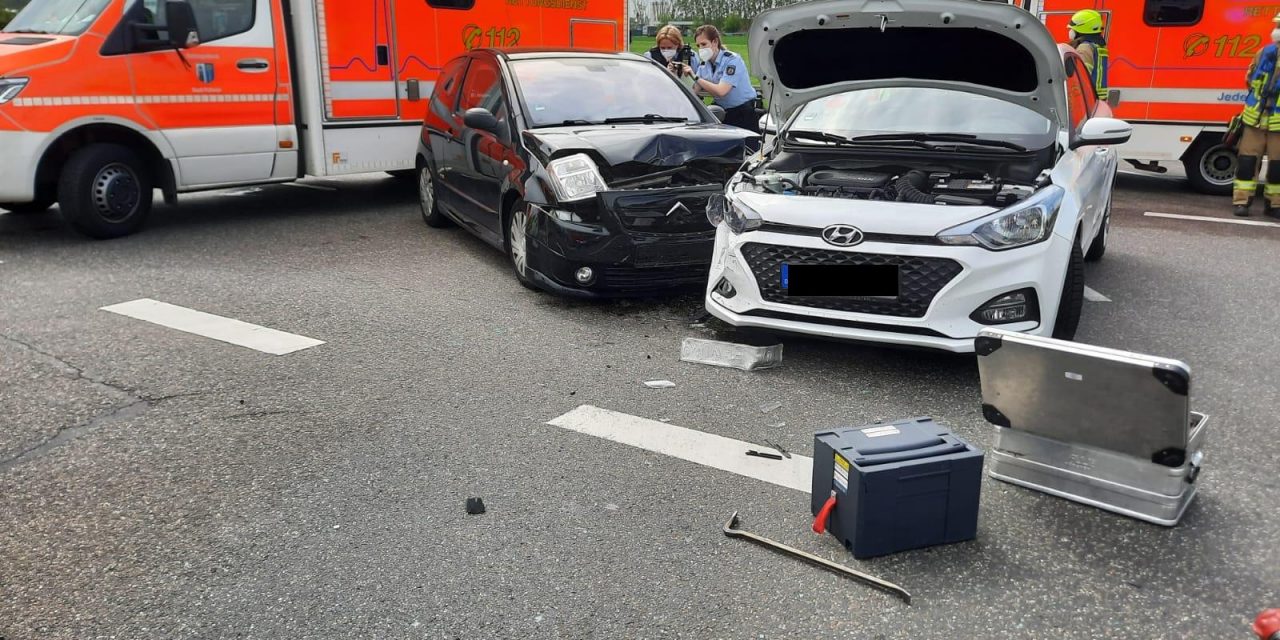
{"x":922,"y":110}
{"x":560,"y":91}
{"x":61,"y":17}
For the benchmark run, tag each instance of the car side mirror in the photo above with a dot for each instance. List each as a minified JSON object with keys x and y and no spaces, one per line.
{"x":1102,"y":132}
{"x":480,"y":119}
{"x":180,"y":22}
{"x":717,"y":111}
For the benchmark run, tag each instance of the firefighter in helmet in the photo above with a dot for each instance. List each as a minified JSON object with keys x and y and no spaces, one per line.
{"x":1260,"y":134}
{"x":1086,"y":39}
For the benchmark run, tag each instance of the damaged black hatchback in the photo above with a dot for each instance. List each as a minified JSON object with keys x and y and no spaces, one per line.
{"x":590,"y":170}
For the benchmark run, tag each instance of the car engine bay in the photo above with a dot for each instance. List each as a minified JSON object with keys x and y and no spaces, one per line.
{"x":954,"y":182}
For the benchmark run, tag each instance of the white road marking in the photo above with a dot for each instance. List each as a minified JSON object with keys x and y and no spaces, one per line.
{"x":703,"y":448}
{"x":1178,"y":216}
{"x":304,"y":185}
{"x":210,"y":326}
{"x":1094,"y":296}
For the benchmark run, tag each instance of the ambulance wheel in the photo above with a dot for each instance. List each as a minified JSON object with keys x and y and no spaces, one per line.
{"x":1072,"y":300}
{"x":431,"y":213}
{"x":39,"y":206}
{"x":104,"y":191}
{"x":1210,"y":166}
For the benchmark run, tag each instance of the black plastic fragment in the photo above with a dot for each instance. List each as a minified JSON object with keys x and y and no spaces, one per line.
{"x":764,"y":454}
{"x":475,"y":506}
{"x":993,"y":415}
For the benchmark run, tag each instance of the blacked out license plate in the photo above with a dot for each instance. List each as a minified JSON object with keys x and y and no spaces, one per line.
{"x":846,"y":280}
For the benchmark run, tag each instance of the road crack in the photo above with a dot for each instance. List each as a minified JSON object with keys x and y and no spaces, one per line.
{"x":134,"y":405}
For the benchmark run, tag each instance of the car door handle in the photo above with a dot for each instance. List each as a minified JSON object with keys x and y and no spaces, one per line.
{"x":253,"y":65}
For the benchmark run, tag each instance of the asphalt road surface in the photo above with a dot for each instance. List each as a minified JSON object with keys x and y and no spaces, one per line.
{"x":159,"y":484}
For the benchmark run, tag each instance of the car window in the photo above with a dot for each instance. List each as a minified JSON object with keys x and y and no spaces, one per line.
{"x":445,"y":95}
{"x":1090,"y":92}
{"x":1173,"y":13}
{"x":65,"y":17}
{"x":215,"y":19}
{"x":593,"y":89}
{"x":483,"y":88}
{"x":923,"y":110}
{"x":1077,"y":106}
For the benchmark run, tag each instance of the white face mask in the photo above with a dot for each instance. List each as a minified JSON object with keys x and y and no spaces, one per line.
{"x":705,"y":53}
{"x":1071,"y":34}
{"x":1275,"y":35}
{"x":668,"y":54}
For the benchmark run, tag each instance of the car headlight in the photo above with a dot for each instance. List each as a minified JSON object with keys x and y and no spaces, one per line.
{"x":11,"y":87}
{"x":1024,"y":223}
{"x":576,"y":177}
{"x":739,"y":217}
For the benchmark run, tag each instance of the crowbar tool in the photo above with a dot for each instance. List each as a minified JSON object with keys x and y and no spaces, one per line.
{"x":731,"y":530}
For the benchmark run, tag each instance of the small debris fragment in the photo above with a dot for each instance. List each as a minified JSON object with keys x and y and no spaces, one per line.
{"x":730,"y":354}
{"x":769,"y":408}
{"x":761,"y":454}
{"x":611,"y":507}
{"x":337,"y":526}
{"x":475,"y":506}
{"x":778,"y":425}
{"x":538,"y":619}
{"x":784,"y":452}
{"x":659,"y":384}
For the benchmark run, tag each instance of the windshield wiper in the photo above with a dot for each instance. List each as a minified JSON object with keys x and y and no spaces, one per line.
{"x":965,"y":138}
{"x":823,"y":136}
{"x":28,"y":31}
{"x":573,"y":121}
{"x":648,"y":117}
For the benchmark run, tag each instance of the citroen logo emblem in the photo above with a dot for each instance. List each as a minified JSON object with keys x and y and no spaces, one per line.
{"x":677,"y":208}
{"x":842,"y":235}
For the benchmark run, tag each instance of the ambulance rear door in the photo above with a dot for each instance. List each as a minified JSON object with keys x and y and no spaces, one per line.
{"x":1204,"y":50}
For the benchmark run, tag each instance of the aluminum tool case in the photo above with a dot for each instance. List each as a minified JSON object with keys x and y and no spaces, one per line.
{"x":1107,"y":428}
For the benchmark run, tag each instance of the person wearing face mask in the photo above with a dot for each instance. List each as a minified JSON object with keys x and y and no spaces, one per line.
{"x":668,"y":51}
{"x":1260,"y":133}
{"x":723,"y":74}
{"x":1086,"y":38}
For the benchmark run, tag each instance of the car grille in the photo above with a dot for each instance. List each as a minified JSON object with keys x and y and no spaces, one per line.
{"x":919,"y":279}
{"x":655,"y":279}
{"x":673,"y":210}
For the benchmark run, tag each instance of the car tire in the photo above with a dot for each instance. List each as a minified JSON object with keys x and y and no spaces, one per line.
{"x":1210,"y":166}
{"x":427,"y":201}
{"x":39,"y":206}
{"x":1098,"y":247}
{"x":517,"y":235}
{"x":104,"y":191}
{"x":1071,"y":302}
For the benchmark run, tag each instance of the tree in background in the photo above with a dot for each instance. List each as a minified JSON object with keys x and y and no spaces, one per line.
{"x":6,"y":15}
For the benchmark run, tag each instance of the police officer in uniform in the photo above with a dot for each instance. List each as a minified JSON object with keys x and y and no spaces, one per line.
{"x":723,"y":74}
{"x":1086,"y":39}
{"x":1261,"y":133}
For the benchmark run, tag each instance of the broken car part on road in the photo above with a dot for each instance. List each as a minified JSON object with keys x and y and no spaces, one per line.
{"x":730,"y":354}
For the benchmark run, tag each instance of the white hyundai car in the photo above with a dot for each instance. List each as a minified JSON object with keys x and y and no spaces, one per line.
{"x":942,"y":166}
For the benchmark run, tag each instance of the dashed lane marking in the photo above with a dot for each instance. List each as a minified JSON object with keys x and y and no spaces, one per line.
{"x":1239,"y":221}
{"x":1094,"y":296}
{"x":708,"y":449}
{"x":227,"y":330}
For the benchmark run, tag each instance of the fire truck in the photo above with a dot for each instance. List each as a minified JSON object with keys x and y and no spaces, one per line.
{"x":1177,"y":73}
{"x":102,"y":102}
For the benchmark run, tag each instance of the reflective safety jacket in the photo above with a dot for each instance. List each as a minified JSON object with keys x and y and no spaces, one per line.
{"x":1093,"y":50}
{"x":1260,"y":105}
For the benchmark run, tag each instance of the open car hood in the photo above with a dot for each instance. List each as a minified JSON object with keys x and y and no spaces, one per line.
{"x":816,"y":49}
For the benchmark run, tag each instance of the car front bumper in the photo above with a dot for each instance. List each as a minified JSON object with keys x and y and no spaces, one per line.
{"x":18,"y":162}
{"x":941,"y":287}
{"x":630,"y":244}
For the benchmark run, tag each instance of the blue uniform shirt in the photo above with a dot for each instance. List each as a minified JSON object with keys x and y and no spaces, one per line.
{"x":728,"y":67}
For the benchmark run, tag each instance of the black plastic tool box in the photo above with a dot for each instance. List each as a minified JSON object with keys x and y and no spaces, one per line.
{"x":898,"y":486}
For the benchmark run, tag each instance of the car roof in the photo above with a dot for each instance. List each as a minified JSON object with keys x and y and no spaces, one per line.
{"x":552,"y":53}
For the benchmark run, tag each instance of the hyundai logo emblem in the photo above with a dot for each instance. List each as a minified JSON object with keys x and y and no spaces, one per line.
{"x":842,"y":235}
